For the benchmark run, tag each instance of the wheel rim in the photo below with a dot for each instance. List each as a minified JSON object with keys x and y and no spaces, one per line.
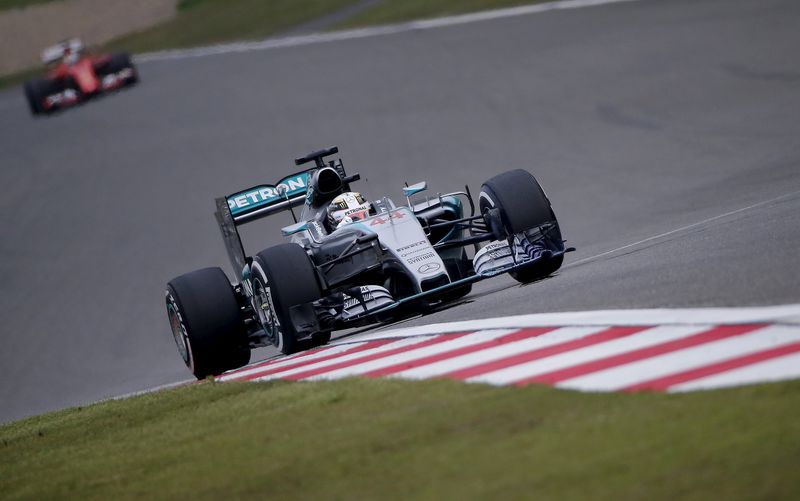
{"x":263,"y":306}
{"x":179,"y":334}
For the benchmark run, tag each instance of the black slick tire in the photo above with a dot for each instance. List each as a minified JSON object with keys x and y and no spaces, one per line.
{"x":521,"y":201}
{"x":35,"y":93}
{"x":206,"y":322}
{"x":522,"y":205}
{"x":283,"y":276}
{"x":121,"y":61}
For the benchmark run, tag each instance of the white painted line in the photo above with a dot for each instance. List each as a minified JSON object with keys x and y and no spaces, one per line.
{"x":445,"y":346}
{"x":682,"y":228}
{"x":644,"y":339}
{"x":616,"y":378}
{"x":776,"y":369}
{"x":296,"y":41}
{"x":785,"y":314}
{"x":557,"y":336}
{"x":344,"y":358}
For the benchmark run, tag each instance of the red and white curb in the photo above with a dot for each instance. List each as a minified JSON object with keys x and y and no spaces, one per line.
{"x":613,"y":350}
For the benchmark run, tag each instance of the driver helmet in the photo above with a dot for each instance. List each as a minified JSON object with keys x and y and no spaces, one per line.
{"x":348,"y":207}
{"x":71,"y":56}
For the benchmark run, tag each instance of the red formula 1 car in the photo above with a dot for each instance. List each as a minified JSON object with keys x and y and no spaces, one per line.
{"x":75,"y":77}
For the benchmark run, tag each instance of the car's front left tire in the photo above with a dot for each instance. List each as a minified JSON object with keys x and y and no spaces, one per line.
{"x":283,"y":276}
{"x":117,"y":63}
{"x":122,"y":61}
{"x":516,"y":206}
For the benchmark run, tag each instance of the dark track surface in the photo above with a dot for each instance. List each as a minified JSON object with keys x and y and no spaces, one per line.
{"x":638,"y":118}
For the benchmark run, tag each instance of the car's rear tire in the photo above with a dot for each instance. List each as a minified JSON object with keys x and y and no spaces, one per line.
{"x":206,"y":322}
{"x":283,"y":276}
{"x":517,"y":199}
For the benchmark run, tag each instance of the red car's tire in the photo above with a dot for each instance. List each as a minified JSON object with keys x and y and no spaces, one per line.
{"x":36,"y":91}
{"x":122,"y":61}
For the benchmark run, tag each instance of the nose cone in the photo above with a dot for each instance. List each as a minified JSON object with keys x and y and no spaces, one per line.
{"x":85,"y":77}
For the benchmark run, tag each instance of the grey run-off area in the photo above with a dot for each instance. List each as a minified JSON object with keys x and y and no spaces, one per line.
{"x":639,"y":118}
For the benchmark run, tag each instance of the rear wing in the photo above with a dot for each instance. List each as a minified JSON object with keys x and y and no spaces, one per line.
{"x":266,"y":199}
{"x":255,"y":203}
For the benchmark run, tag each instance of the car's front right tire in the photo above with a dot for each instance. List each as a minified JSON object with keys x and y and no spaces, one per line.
{"x":206,"y":322}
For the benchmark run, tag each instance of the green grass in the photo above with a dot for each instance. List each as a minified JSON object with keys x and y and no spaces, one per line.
{"x":393,"y":11}
{"x":388,"y":439}
{"x":18,"y":4}
{"x":20,"y":77}
{"x":201,"y":22}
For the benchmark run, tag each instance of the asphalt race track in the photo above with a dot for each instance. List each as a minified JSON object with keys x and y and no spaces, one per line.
{"x":665,"y":133}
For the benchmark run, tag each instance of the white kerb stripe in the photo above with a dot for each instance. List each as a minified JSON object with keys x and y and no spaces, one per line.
{"x":490,"y":354}
{"x":616,"y":378}
{"x":785,"y":314}
{"x":644,"y":339}
{"x":776,"y":369}
{"x":407,"y":356}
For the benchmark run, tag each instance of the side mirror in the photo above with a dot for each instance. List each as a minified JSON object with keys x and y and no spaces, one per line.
{"x":408,"y":191}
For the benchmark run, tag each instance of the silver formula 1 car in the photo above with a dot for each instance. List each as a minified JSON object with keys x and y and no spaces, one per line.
{"x":380,"y":262}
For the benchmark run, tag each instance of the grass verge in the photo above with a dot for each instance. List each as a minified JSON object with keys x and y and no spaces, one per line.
{"x":19,"y":4}
{"x":203,"y":22}
{"x":390,"y":439}
{"x":20,"y":77}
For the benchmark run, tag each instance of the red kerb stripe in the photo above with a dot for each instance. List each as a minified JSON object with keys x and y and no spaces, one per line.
{"x":663,"y":383}
{"x":529,"y":356}
{"x":708,"y":336}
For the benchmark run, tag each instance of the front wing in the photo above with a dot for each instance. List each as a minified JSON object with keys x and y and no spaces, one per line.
{"x":375,"y":301}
